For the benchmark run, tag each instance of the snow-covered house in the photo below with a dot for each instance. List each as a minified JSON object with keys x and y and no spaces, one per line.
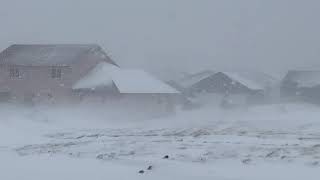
{"x":131,"y":89}
{"x":301,"y":85}
{"x":30,"y":72}
{"x":255,"y":86}
{"x":188,"y":83}
{"x":73,"y":73}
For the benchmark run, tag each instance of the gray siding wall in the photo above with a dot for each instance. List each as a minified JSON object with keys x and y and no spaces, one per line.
{"x":137,"y":105}
{"x":36,"y":81}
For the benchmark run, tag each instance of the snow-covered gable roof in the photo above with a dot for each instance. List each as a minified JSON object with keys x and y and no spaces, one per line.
{"x":244,"y":81}
{"x":192,"y":79}
{"x":304,"y":78}
{"x":138,"y":81}
{"x":126,"y":81}
{"x":252,"y":80}
{"x":100,"y":76}
{"x":51,"y":54}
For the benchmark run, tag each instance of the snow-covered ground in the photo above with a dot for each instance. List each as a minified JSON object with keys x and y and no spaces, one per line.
{"x":266,"y":142}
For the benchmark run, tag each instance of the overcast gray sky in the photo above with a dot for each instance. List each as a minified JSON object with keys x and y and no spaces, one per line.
{"x":175,"y":35}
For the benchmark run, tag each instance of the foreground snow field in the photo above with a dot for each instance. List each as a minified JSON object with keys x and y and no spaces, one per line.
{"x":267,"y":142}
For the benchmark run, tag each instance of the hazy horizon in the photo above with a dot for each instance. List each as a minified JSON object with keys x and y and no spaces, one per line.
{"x":170,"y":36}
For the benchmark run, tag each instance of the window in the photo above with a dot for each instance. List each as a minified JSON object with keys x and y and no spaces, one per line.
{"x":14,"y":72}
{"x":56,"y":73}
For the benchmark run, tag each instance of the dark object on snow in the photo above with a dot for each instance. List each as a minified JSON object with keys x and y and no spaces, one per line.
{"x":246,"y":161}
{"x":166,"y":157}
{"x":141,"y":171}
{"x":150,"y":168}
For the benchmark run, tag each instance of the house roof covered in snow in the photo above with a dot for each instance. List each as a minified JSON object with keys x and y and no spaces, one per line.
{"x":100,"y":76}
{"x":138,"y":81}
{"x":53,"y":54}
{"x":192,"y":79}
{"x":304,"y":78}
{"x":252,"y":80}
{"x":126,"y":81}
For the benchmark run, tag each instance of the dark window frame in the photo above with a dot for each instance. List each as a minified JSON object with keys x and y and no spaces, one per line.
{"x":56,"y":72}
{"x":14,"y":72}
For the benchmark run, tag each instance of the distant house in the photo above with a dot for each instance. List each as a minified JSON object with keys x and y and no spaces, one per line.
{"x":129,"y":89}
{"x":301,"y":85}
{"x":188,"y":84}
{"x":254,"y":86}
{"x":46,"y":71}
{"x":75,"y":73}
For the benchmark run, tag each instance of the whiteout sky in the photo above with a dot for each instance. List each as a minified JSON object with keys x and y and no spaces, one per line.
{"x":166,"y":36}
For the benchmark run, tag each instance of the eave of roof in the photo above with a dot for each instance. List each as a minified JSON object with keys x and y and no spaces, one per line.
{"x":49,"y":54}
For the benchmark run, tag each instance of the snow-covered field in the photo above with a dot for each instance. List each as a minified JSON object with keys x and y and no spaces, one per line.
{"x":267,"y":142}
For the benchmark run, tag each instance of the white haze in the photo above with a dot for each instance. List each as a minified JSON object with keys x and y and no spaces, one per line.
{"x":175,"y":35}
{"x":202,"y":140}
